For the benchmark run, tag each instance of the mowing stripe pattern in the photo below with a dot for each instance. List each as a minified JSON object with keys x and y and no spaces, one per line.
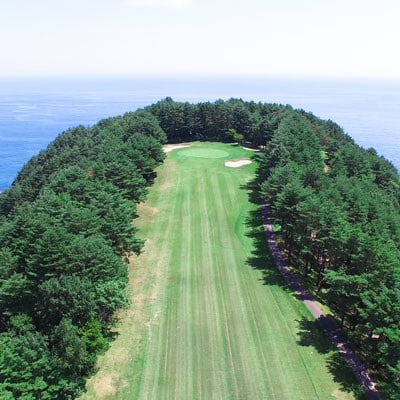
{"x":216,"y":331}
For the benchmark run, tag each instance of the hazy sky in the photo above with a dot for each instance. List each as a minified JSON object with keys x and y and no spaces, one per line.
{"x":200,"y":37}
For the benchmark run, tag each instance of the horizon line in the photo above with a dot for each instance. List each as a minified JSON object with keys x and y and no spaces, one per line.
{"x":185,"y":77}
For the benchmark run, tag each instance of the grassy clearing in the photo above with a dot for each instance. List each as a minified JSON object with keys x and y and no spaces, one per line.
{"x":210,"y":318}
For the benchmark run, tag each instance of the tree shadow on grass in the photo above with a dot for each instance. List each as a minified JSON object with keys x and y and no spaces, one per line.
{"x":310,"y":334}
{"x":261,"y":258}
{"x":253,"y":193}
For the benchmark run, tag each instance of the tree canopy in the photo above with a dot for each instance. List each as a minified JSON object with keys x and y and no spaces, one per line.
{"x":66,"y":226}
{"x":338,"y":209}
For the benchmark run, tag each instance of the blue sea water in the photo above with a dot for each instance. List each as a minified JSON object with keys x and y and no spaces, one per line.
{"x":34,"y":112}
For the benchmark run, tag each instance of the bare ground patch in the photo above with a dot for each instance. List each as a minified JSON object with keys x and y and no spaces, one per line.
{"x":104,"y":386}
{"x":135,"y":324}
{"x":145,"y":208}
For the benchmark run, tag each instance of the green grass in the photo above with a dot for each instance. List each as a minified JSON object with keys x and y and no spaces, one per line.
{"x":210,"y":318}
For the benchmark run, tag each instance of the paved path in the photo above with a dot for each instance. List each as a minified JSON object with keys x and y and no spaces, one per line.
{"x":356,"y":365}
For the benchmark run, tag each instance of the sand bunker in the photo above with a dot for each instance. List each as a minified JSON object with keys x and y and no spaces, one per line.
{"x":250,"y":149}
{"x":170,"y":147}
{"x":237,"y":163}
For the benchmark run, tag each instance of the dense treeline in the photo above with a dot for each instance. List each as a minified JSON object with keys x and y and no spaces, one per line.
{"x":337,"y":207}
{"x":65,"y":229}
{"x":339,"y":213}
{"x":215,"y":121}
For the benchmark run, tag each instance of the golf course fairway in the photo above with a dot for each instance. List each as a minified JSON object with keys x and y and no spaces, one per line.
{"x":206,"y":321}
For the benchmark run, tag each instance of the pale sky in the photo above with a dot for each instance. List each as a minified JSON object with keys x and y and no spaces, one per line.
{"x":310,"y":38}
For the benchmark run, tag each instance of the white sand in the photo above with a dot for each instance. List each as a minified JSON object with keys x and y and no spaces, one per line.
{"x":169,"y":147}
{"x":248,"y":148}
{"x":238,"y":163}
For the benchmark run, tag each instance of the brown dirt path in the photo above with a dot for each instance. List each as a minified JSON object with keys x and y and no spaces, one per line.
{"x":354,"y":362}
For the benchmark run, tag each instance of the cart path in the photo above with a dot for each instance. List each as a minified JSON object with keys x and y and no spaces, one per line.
{"x":354,"y":362}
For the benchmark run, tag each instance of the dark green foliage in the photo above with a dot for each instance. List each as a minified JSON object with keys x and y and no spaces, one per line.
{"x":70,"y":349}
{"x":213,"y":121}
{"x":338,"y":206}
{"x":28,"y":369}
{"x":70,"y":297}
{"x":66,"y":225}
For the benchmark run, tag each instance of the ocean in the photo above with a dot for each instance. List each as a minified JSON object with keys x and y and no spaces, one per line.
{"x":33,"y":112}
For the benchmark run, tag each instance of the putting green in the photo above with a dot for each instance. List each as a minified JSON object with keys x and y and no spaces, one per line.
{"x":203,"y":152}
{"x":206,"y":321}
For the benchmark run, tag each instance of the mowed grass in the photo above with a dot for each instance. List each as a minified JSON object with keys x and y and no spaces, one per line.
{"x":206,"y":321}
